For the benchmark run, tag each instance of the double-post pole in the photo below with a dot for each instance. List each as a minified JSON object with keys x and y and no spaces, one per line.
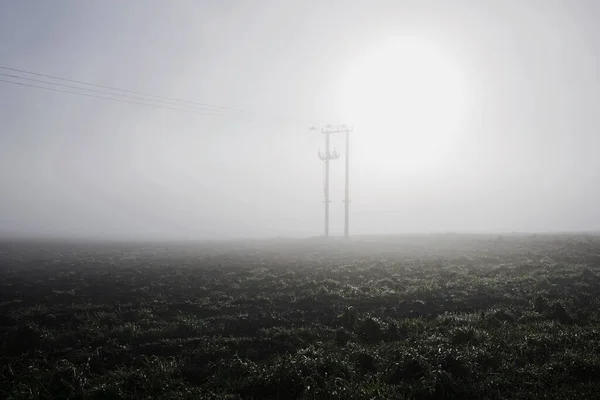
{"x":332,"y":156}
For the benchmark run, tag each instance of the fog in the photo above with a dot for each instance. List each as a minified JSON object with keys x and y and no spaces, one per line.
{"x":523,"y":157}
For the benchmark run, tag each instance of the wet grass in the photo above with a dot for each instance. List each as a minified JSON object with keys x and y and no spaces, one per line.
{"x":430,"y":317}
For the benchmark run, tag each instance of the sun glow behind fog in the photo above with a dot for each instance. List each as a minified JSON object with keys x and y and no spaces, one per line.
{"x":407,"y":99}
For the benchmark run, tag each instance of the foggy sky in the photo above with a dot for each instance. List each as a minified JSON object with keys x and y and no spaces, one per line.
{"x":84,"y":167}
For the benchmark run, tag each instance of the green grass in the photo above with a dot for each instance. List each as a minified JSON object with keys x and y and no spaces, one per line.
{"x":450,"y":316}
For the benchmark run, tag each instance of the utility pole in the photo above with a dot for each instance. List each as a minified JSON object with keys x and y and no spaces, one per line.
{"x":326,"y":157}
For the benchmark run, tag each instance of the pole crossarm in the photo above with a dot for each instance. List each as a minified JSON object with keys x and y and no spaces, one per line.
{"x":337,"y":129}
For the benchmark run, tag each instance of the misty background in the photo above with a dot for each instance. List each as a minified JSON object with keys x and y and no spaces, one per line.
{"x":83,"y":167}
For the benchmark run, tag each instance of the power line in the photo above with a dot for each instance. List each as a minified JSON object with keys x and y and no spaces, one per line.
{"x":118,"y":89}
{"x":212,"y":109}
{"x":98,"y":97}
{"x":105,"y":92}
{"x":214,"y":113}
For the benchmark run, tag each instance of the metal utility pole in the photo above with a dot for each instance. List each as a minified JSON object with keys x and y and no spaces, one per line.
{"x":326,"y":157}
{"x":327,"y":131}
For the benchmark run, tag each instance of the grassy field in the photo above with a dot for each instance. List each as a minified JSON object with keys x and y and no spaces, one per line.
{"x":415,"y":317}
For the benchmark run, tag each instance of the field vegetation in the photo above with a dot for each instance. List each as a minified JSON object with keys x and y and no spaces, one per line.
{"x":407,"y":317}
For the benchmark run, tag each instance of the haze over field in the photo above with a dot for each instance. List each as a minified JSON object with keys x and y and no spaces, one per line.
{"x":468,"y":116}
